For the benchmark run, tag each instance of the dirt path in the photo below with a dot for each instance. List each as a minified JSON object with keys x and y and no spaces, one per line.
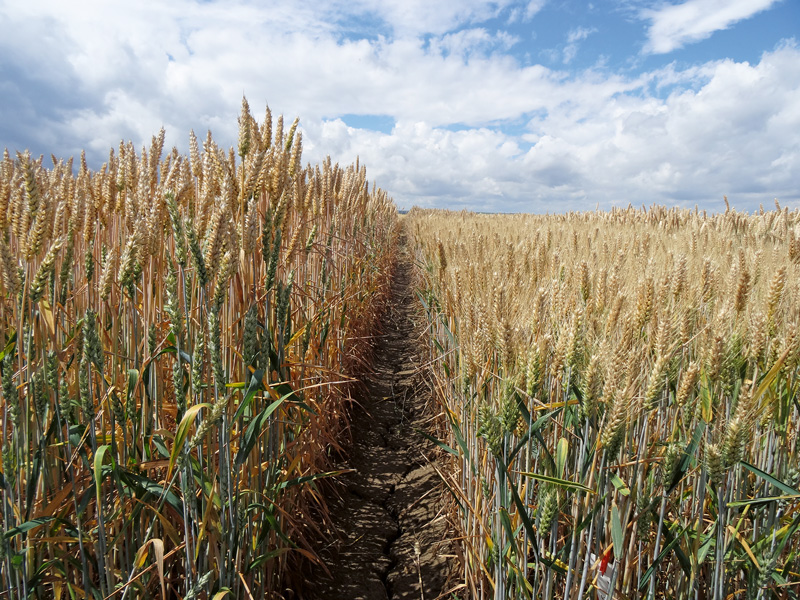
{"x":392,"y":536}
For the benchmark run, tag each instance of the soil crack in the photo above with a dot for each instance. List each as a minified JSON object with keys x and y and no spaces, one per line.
{"x":390,"y":541}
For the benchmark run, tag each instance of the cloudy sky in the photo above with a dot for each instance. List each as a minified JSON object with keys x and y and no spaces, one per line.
{"x":509,"y":105}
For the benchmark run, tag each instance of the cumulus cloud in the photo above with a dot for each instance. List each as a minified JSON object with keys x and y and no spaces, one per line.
{"x":674,"y":25}
{"x":427,"y":166}
{"x":725,"y":136}
{"x":473,"y":127}
{"x":727,"y":130}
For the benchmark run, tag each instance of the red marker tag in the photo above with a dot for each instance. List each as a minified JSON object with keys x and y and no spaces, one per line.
{"x":604,"y":560}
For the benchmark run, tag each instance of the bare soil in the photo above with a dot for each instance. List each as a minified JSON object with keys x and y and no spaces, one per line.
{"x":389,"y":511}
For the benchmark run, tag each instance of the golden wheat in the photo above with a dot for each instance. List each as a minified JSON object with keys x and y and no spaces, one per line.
{"x":653,"y":354}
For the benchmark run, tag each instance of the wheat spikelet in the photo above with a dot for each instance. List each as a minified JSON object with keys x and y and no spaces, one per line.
{"x":245,"y":129}
{"x":613,"y":430}
{"x":106,"y":280}
{"x":44,"y":272}
{"x":774,"y":295}
{"x":250,"y":232}
{"x":656,"y":381}
{"x":11,"y":280}
{"x":687,"y":383}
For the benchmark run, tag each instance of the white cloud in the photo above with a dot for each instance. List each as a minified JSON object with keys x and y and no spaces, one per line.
{"x":468,"y":42}
{"x":533,"y":7}
{"x":410,"y":18}
{"x":573,"y":37}
{"x":674,"y":25}
{"x":730,"y":135}
{"x":423,"y":165}
{"x":473,"y":127}
{"x":580,"y":33}
{"x":727,"y":129}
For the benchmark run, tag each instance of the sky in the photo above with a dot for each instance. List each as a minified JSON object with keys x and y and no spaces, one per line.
{"x":509,"y":106}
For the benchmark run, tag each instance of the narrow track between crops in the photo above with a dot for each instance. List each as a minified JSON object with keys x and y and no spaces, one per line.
{"x":392,"y":540}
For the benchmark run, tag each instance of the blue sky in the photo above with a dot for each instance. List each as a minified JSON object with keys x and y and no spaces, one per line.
{"x":529,"y":105}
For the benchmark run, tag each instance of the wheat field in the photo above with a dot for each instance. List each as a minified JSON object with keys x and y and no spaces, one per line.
{"x":619,"y":394}
{"x":617,"y":390}
{"x":179,"y":334}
